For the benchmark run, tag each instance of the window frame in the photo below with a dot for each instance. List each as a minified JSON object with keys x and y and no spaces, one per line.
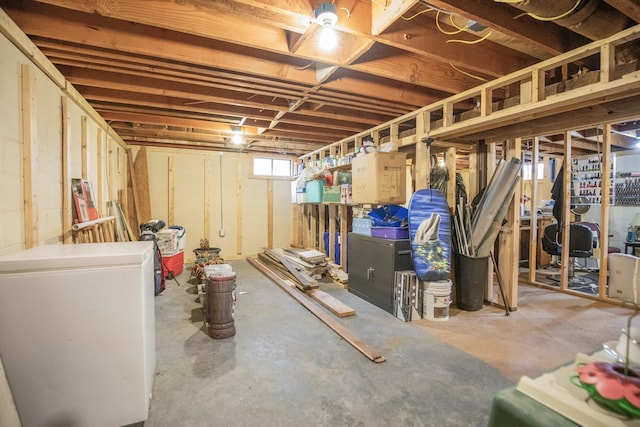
{"x":291,"y":159}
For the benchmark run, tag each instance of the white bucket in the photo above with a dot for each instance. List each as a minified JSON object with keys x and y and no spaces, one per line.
{"x":217,"y":270}
{"x":436,"y":300}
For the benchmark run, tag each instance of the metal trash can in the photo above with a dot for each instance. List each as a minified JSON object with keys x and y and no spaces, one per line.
{"x":471,"y":277}
{"x":219,"y":305}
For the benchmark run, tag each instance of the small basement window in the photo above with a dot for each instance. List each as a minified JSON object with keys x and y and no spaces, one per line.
{"x":272,"y":167}
{"x":526,"y":171}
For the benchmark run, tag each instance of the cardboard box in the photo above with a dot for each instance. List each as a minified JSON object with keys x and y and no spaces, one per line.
{"x":379,"y":178}
{"x":331,"y":194}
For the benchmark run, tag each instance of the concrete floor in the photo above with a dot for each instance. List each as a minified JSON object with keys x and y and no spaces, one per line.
{"x":286,"y":368}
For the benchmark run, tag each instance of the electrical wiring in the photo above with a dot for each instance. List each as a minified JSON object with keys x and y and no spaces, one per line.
{"x":449,"y":33}
{"x":486,"y":36}
{"x":305,"y":67}
{"x":468,"y":74}
{"x":453,"y":24}
{"x":542,"y":18}
{"x":380,"y":4}
{"x":348,"y":11}
{"x":416,"y":14}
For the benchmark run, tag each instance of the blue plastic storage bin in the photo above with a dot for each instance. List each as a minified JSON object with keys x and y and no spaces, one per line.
{"x":314,"y":190}
{"x":361,"y":226}
{"x":390,"y":216}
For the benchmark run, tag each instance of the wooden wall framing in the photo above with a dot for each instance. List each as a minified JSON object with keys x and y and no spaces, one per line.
{"x":535,"y":114}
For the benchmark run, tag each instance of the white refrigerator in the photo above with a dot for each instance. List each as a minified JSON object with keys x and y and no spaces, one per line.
{"x":77,"y":333}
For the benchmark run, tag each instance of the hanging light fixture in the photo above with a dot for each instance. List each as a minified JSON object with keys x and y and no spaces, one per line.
{"x":326,"y":17}
{"x":238,"y":135}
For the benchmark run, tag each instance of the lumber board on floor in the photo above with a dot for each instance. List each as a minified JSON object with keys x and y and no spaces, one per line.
{"x":306,"y":280}
{"x":331,"y":303}
{"x":342,"y":331}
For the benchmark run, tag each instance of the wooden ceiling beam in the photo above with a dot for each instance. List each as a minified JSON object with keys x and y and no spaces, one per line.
{"x":229,"y":148}
{"x":46,"y":21}
{"x":151,"y":42}
{"x":383,"y":16}
{"x":502,"y":17}
{"x":631,"y":8}
{"x":421,"y":36}
{"x":153,"y":119}
{"x":343,"y":85}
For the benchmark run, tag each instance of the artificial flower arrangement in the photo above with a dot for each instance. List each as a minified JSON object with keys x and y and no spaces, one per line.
{"x":614,"y":386}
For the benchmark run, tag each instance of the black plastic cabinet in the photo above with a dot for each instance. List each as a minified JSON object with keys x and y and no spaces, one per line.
{"x":373,"y":262}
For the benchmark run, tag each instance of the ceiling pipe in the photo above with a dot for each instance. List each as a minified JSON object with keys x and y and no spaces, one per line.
{"x":593,"y":19}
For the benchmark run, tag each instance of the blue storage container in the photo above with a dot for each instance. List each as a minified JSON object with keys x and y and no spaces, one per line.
{"x":390,"y":216}
{"x":314,"y":190}
{"x":362,"y":226}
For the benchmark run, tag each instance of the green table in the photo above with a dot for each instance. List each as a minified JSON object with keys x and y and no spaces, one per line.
{"x":511,"y":408}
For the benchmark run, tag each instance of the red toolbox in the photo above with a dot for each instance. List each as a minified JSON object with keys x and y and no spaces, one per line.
{"x":172,"y":263}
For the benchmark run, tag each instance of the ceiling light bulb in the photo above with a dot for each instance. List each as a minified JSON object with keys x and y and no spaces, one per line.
{"x":237,"y":138}
{"x":328,"y":39}
{"x":326,"y":15}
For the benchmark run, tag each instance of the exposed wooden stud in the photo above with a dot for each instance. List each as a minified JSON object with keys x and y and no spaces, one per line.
{"x":101,"y":165}
{"x":534,"y":232}
{"x":605,"y":209}
{"x":473,"y":186}
{"x":297,"y":226}
{"x":29,"y":155}
{"x":607,"y":62}
{"x":566,"y":211}
{"x":322,"y":220}
{"x":171,"y":197}
{"x":207,"y":178}
{"x":332,"y":232}
{"x":67,"y":216}
{"x":510,"y":236}
{"x":84,"y":156}
{"x":450,"y":159}
{"x":316,"y":238}
{"x":270,"y":213}
{"x":136,"y":214}
{"x":344,"y":224}
{"x":239,"y":210}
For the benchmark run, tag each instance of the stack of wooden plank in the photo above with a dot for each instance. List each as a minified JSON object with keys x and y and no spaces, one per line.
{"x":302,"y":273}
{"x":338,"y":276}
{"x":294,"y":271}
